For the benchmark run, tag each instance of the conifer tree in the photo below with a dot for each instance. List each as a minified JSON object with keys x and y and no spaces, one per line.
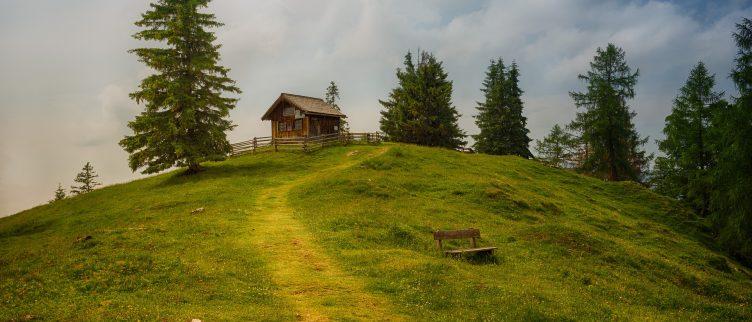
{"x":492,"y":112}
{"x":519,"y":141}
{"x":614,"y":147}
{"x":685,"y":170}
{"x":502,"y":127}
{"x":556,"y":149}
{"x":331,"y":97}
{"x":185,"y":116}
{"x":86,"y":179}
{"x":731,"y":202}
{"x":419,"y":110}
{"x":59,"y":193}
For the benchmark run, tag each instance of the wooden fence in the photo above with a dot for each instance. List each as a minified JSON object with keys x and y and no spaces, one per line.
{"x":306,"y":144}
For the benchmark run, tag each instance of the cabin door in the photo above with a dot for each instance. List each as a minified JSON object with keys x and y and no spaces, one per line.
{"x":315,"y":127}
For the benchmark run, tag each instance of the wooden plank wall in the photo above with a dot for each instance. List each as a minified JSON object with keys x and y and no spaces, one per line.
{"x":277,"y":116}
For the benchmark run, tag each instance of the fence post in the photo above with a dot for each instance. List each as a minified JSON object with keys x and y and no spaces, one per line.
{"x":305,"y":144}
{"x":254,"y":144}
{"x":274,"y":142}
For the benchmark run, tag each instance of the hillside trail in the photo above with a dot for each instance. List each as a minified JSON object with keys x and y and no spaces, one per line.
{"x":305,"y":275}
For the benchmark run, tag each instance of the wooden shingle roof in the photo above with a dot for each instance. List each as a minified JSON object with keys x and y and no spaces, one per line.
{"x":307,"y":104}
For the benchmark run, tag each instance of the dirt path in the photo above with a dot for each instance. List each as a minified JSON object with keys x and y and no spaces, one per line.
{"x":306,"y":276}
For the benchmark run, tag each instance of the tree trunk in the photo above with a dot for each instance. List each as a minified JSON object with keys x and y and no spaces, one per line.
{"x":194,"y":167}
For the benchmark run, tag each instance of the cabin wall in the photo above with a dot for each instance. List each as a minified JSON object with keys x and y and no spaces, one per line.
{"x":277,"y":116}
{"x":310,"y":125}
{"x":320,"y":125}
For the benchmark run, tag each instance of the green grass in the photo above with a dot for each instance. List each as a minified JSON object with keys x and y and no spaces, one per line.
{"x":358,"y":223}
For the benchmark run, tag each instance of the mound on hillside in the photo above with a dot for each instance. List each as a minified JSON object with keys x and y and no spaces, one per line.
{"x":345,"y":233}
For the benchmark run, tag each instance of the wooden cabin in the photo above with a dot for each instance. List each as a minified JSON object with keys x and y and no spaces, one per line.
{"x":302,"y":116}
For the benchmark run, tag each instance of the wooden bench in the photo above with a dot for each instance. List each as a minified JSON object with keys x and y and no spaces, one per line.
{"x":471,"y":234}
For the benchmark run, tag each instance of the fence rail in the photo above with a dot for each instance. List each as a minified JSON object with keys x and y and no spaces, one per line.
{"x":306,"y":144}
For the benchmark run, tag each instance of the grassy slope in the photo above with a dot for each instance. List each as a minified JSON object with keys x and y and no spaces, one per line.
{"x":352,"y":238}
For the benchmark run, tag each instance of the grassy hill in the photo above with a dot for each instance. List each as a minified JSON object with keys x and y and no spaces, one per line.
{"x":345,"y":233}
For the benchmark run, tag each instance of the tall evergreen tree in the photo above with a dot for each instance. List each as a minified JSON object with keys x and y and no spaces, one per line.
{"x":731,"y":203}
{"x":500,"y":120}
{"x":492,"y":138}
{"x":59,"y":193}
{"x":614,"y":147}
{"x":332,"y":97}
{"x":420,"y":109}
{"x":185,"y":118}
{"x":684,"y":172}
{"x":519,"y":142}
{"x":556,"y":149}
{"x":86,"y":179}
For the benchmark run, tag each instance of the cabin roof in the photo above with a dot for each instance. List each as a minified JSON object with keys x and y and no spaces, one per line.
{"x":310,"y":105}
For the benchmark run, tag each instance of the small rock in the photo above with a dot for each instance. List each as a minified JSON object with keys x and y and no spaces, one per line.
{"x":83,"y":238}
{"x":197,"y":210}
{"x":196,"y":320}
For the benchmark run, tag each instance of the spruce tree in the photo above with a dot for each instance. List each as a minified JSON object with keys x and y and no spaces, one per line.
{"x":614,"y":147}
{"x":731,"y":202}
{"x":492,"y":112}
{"x":86,"y":179}
{"x":59,"y":193}
{"x":685,"y":170}
{"x":332,"y":97}
{"x":666,"y":177}
{"x":419,"y":110}
{"x":556,"y":149}
{"x":502,"y":127}
{"x":185,"y":116}
{"x":519,"y":141}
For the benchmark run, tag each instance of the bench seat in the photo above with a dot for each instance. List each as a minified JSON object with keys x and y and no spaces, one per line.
{"x":469,"y":250}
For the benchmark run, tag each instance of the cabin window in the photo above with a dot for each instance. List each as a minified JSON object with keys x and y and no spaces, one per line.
{"x":281,"y":126}
{"x":298,"y":124}
{"x":288,"y":111}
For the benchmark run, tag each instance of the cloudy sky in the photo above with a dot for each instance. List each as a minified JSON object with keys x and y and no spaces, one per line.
{"x":65,"y":73}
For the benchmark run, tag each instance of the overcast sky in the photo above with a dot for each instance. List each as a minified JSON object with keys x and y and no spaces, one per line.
{"x":65,"y":73}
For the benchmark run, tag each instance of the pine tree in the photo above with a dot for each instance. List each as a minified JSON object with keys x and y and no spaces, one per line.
{"x":731,"y":203}
{"x":185,"y":116}
{"x":420,"y":109}
{"x":685,"y":171}
{"x":666,"y":178}
{"x":332,"y":97}
{"x":502,"y":127}
{"x":614,"y":147}
{"x":59,"y":193}
{"x":557,"y":148}
{"x":519,"y":142}
{"x":87,"y":180}
{"x":492,"y":112}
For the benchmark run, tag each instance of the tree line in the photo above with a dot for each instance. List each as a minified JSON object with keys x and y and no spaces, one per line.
{"x":706,"y":154}
{"x":601,"y":141}
{"x":705,"y":160}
